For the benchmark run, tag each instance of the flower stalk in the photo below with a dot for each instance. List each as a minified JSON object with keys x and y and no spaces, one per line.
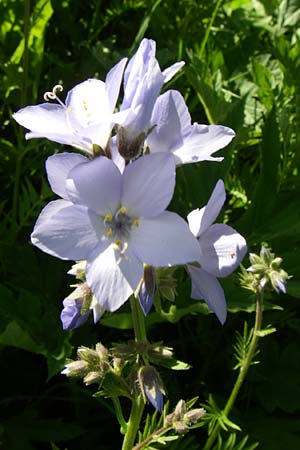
{"x":244,"y":368}
{"x":138,"y":404}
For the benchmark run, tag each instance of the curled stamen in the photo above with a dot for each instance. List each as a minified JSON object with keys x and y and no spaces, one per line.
{"x":52,"y":95}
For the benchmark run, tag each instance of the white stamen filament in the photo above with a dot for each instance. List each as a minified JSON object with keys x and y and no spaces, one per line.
{"x":52,"y":95}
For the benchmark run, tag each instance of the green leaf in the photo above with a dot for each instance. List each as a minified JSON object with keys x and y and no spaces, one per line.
{"x":40,"y":17}
{"x":173,"y":363}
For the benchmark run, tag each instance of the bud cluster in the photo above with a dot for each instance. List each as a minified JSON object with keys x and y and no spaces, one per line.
{"x":92,"y":364}
{"x":183,"y":417}
{"x":265,"y":271}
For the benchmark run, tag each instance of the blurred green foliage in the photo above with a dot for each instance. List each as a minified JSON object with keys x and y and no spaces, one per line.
{"x":242,"y":70}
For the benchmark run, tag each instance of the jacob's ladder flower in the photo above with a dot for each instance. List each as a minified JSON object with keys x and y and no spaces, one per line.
{"x":116,"y":222}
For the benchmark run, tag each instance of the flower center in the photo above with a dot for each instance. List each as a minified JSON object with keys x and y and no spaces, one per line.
{"x":118,"y":226}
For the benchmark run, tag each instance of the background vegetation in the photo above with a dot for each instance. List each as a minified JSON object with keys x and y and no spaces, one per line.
{"x":242,"y":70}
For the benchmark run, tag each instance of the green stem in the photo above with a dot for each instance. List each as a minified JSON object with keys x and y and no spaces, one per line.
{"x":208,"y":29}
{"x":138,"y":320}
{"x":25,"y":54}
{"x":137,"y":406}
{"x":119,"y":414}
{"x":243,"y":370}
{"x":152,"y":436}
{"x":133,"y":424}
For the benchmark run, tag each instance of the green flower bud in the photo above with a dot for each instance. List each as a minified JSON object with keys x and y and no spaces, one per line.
{"x":76,"y":368}
{"x":265,"y":270}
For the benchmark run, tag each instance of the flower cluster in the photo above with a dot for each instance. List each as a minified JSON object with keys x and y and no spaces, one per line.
{"x":112,"y":208}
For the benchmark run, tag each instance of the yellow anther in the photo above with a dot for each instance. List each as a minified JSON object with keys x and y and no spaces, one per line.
{"x":109,"y":232}
{"x":232,"y":254}
{"x":118,"y":242}
{"x":136,"y":222}
{"x":108,"y":218}
{"x":123,"y":210}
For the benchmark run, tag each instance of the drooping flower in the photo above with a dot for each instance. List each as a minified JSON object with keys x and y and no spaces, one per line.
{"x":172,"y":131}
{"x":86,"y":118}
{"x":220,"y":248}
{"x":71,"y":316}
{"x":143,"y":80}
{"x":151,"y":386}
{"x":78,"y":306}
{"x":116,"y":222}
{"x":81,"y":302}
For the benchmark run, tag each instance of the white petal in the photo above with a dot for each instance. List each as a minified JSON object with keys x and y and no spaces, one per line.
{"x":136,"y":72}
{"x":164,"y":241}
{"x":67,"y":231}
{"x":96,"y":184}
{"x":98,"y":311}
{"x":115,"y":155}
{"x":111,"y":282}
{"x":171,"y":121}
{"x":45,"y":119}
{"x":172,"y":70}
{"x":202,"y":141}
{"x":148,"y":184}
{"x":142,"y":82}
{"x":200,"y":219}
{"x":207,"y":287}
{"x":58,"y":167}
{"x":222,"y":250}
{"x":113,"y":82}
{"x":88,"y":104}
{"x":194,"y":219}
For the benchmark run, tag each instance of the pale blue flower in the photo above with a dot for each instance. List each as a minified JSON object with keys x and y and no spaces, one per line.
{"x":116,"y":222}
{"x":86,"y":118}
{"x":220,"y":248}
{"x":71,"y":316}
{"x":143,"y":80}
{"x":172,"y":131}
{"x":81,"y":302}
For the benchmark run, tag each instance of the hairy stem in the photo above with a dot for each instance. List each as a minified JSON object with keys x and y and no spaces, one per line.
{"x":138,"y":321}
{"x":243,"y":370}
{"x":159,"y":432}
{"x":137,"y":406}
{"x":119,"y":414}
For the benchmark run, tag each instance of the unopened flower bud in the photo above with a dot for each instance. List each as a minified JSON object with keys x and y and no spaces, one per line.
{"x":265,"y":269}
{"x":151,"y":386}
{"x":147,"y":289}
{"x":194,"y":415}
{"x":102,"y":351}
{"x":92,"y":377}
{"x":130,"y":149}
{"x":76,"y":369}
{"x":118,"y":364}
{"x":180,"y":410}
{"x":89,"y":355}
{"x":182,"y":418}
